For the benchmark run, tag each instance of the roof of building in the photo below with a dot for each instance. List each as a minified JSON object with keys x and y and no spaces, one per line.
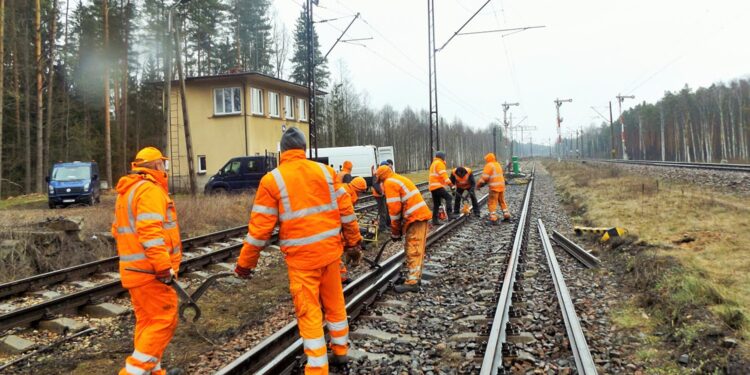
{"x":261,"y":76}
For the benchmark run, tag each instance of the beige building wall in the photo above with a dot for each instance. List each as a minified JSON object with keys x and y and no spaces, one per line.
{"x":222,"y":137}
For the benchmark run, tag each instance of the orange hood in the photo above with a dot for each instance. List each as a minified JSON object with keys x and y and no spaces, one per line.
{"x":139,"y":174}
{"x":490,"y":157}
{"x":383,"y":172}
{"x":291,"y":155}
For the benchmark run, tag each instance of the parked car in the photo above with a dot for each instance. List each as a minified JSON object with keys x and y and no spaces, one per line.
{"x":240,"y":174}
{"x":71,"y":183}
{"x":364,"y":159}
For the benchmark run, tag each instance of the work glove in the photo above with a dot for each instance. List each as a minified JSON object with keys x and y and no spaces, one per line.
{"x":165,"y":276}
{"x":242,"y":272}
{"x":479,"y":185}
{"x":353,"y":254}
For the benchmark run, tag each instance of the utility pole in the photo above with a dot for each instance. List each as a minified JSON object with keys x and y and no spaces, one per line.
{"x":661,"y":115}
{"x":558,"y":103}
{"x":311,"y":105}
{"x":641,"y":144}
{"x":185,"y":117}
{"x":506,"y":106}
{"x":432,"y":86}
{"x":612,"y":151}
{"x":620,"y":98}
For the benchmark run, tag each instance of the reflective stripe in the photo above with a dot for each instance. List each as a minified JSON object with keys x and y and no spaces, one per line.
{"x":414,"y":208}
{"x":282,"y":189}
{"x":434,"y":174}
{"x":485,"y":175}
{"x":395,"y":217}
{"x":411,"y":194}
{"x":312,"y":344}
{"x":298,"y":214}
{"x":170,"y":225}
{"x":348,"y":218}
{"x":495,"y":183}
{"x":131,"y":219}
{"x":435,"y":184}
{"x":132,"y":257}
{"x":157,"y":367}
{"x":337,"y":326}
{"x":254,"y":241}
{"x":412,"y":277}
{"x":175,"y":250}
{"x":393,"y":200}
{"x":143,"y":357}
{"x":330,"y":183}
{"x":317,"y":361}
{"x":154,"y":242}
{"x":131,"y":369}
{"x":343,"y":340}
{"x":310,"y":239}
{"x":403,"y":186}
{"x":340,"y":192}
{"x":124,"y":230}
{"x":265,"y":209}
{"x":149,"y":216}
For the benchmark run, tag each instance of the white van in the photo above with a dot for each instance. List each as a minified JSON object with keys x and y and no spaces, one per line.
{"x":385,"y":153}
{"x":364,"y":159}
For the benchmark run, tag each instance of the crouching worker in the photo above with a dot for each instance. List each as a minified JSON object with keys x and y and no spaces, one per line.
{"x":463,"y":180}
{"x":313,"y":212}
{"x":149,"y":247}
{"x":353,"y":189}
{"x":410,"y":217}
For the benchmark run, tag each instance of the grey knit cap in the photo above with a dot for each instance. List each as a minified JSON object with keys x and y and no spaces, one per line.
{"x":293,"y":139}
{"x":440,"y":154}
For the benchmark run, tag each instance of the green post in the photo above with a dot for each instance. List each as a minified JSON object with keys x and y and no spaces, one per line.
{"x":515,"y":165}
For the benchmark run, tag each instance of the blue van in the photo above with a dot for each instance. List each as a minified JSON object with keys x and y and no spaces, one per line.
{"x":240,"y":174}
{"x":71,"y":183}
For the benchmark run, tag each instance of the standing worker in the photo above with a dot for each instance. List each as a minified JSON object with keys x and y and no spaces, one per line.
{"x":384,"y":221}
{"x":149,"y":247}
{"x":439,"y":183}
{"x":410,"y":217}
{"x":463,"y":179}
{"x":353,"y":189}
{"x":345,"y":175}
{"x":493,"y":176}
{"x":311,"y":210}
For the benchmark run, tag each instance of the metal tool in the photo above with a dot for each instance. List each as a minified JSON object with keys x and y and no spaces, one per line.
{"x":375,"y":263}
{"x":188,"y":300}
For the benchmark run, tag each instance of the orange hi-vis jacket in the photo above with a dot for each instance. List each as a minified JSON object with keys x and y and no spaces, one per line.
{"x":438,"y":175}
{"x":145,"y":227}
{"x":405,"y":203}
{"x":463,"y":183}
{"x":352,"y":193}
{"x":312,"y":210}
{"x":492,"y":174}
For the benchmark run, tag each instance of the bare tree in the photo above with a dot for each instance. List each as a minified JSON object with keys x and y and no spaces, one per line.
{"x":281,"y":43}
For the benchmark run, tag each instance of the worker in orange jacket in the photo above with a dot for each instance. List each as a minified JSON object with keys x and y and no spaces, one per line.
{"x":313,"y":212}
{"x":440,"y":182}
{"x":463,"y":179}
{"x":410,"y":217}
{"x":345,"y":174}
{"x":384,"y":221}
{"x":353,"y":189}
{"x":148,"y":244}
{"x":492,"y":175}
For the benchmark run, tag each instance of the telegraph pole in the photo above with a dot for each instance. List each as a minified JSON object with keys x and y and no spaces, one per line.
{"x":661,"y":113}
{"x":558,"y":103}
{"x":620,"y":98}
{"x":506,"y":106}
{"x":434,"y":117}
{"x":611,"y":132}
{"x":311,"y":105}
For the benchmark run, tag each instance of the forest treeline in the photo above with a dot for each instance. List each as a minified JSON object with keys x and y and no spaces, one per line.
{"x":708,"y":124}
{"x":80,"y":82}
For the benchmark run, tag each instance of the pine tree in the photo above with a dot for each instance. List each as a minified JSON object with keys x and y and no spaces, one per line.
{"x":299,"y":57}
{"x":253,"y":26}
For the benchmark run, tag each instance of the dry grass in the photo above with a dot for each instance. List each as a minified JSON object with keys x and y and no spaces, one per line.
{"x":715,"y":262}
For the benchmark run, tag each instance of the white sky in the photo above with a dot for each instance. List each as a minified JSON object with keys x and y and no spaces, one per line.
{"x":590,"y":51}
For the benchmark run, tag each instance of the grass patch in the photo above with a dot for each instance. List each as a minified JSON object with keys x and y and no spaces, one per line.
{"x":687,"y":261}
{"x":24,"y":201}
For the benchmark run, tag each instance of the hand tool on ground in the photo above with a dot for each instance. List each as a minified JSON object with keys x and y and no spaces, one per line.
{"x":375,"y":263}
{"x":188,"y":300}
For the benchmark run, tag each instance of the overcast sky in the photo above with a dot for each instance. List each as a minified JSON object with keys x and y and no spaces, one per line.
{"x":590,"y":50}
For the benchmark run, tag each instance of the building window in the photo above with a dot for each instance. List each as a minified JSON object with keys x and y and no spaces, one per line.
{"x":257,"y":101}
{"x":227,"y":101}
{"x":289,"y":107}
{"x":202,"y":164}
{"x":302,"y":109}
{"x":273,"y":103}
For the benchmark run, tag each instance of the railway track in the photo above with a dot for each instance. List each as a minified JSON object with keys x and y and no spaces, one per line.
{"x":710,"y":166}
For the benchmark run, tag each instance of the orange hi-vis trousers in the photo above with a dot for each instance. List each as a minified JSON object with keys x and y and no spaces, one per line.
{"x":310,"y":288}
{"x":155,"y":308}
{"x":494,"y":198}
{"x":416,"y":240}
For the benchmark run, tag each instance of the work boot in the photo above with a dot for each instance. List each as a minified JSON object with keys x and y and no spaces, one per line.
{"x":175,"y":371}
{"x":338,"y":360}
{"x":403,"y":288}
{"x":435,"y":221}
{"x":506,"y":216}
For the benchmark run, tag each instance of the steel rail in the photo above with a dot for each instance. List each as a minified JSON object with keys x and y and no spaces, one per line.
{"x":72,"y":301}
{"x":103,"y":265}
{"x":584,"y":363}
{"x":583,"y":256}
{"x":281,"y":352}
{"x":493,"y":354}
{"x":709,"y":166}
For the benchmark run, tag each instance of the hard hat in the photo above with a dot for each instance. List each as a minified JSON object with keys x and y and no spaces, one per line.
{"x":359,"y":183}
{"x":293,"y":139}
{"x":148,"y":154}
{"x":348,"y":164}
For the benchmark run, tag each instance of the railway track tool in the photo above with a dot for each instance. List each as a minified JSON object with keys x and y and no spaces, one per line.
{"x":375,"y":263}
{"x":188,"y":301}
